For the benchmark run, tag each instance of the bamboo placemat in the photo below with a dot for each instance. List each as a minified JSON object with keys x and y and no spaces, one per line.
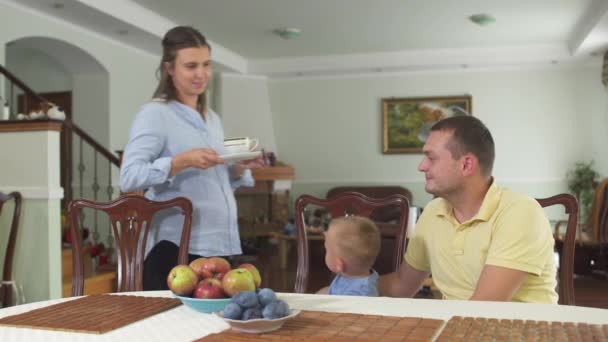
{"x":484,"y":329}
{"x":96,"y":314}
{"x":328,"y":326}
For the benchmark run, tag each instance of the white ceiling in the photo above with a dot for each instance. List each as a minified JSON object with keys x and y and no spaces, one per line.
{"x":344,"y":36}
{"x":360,"y":26}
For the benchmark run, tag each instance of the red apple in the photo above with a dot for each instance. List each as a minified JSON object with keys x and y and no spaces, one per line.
{"x":257,"y":279}
{"x":197,"y":266}
{"x":237,"y":280}
{"x":209,"y":288}
{"x":182,"y":280}
{"x":215,"y":267}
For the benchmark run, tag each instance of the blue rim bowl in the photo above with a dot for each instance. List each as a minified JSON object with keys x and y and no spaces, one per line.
{"x":204,"y":305}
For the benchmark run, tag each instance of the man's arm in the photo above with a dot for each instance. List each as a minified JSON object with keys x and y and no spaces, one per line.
{"x":403,"y":283}
{"x":498,"y":283}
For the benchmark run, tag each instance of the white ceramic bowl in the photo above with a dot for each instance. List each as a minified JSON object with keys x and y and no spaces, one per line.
{"x":261,"y":325}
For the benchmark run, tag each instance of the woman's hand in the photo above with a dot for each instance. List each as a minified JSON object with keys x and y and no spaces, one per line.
{"x":202,"y":158}
{"x":254,"y":163}
{"x":238,"y":168}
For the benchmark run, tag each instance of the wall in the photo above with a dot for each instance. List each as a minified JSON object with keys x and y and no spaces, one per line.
{"x":131,"y":81}
{"x":599,"y":123}
{"x":330,"y":128}
{"x":37,"y":70}
{"x":132,"y":72}
{"x":37,"y":266}
{"x":243,"y":103}
{"x":542,"y":121}
{"x":44,"y":73}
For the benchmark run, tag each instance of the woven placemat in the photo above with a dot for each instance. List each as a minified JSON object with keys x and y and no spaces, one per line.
{"x":328,"y":326}
{"x":487,"y":329}
{"x":96,"y":314}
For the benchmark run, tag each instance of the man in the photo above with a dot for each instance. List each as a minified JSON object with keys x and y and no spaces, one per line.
{"x":480,"y":241}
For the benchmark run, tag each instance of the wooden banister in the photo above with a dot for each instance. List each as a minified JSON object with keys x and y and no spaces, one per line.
{"x":20,"y":84}
{"x":68,"y":130}
{"x":86,"y":137}
{"x":68,"y":123}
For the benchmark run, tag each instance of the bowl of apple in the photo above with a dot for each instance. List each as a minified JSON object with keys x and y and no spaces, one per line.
{"x":206,"y":284}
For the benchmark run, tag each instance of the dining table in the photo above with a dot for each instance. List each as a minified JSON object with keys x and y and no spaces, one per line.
{"x":182,"y":323}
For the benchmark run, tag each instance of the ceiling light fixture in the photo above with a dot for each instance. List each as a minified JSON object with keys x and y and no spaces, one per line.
{"x":482,"y":19}
{"x":287,"y":33}
{"x":57,"y":5}
{"x":123,"y":32}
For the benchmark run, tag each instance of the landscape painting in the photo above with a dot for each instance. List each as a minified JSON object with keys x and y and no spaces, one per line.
{"x":406,"y":122}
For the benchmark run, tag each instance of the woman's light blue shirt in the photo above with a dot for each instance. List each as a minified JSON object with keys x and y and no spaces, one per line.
{"x":159,"y":132}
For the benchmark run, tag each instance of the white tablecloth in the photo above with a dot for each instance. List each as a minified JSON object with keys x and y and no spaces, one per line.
{"x":185,"y":324}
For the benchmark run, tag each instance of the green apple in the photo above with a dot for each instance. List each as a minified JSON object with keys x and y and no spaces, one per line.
{"x":237,"y":280}
{"x":182,"y":280}
{"x":257,"y":279}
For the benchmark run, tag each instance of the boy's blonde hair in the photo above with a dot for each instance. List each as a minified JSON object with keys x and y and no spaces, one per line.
{"x":359,"y":240}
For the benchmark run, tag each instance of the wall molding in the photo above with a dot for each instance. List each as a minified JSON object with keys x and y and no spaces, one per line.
{"x":487,"y":58}
{"x":594,"y":62}
{"x":34,"y":192}
{"x":243,"y":76}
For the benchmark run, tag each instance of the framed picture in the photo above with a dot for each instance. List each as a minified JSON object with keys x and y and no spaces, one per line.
{"x":406,"y":122}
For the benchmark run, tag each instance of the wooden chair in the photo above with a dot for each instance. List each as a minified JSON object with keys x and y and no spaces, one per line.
{"x":130,"y":216}
{"x":565,"y":249}
{"x":597,"y":222}
{"x":352,"y":203}
{"x":594,"y":242}
{"x":384,"y":214}
{"x":592,"y":236}
{"x":6,"y":287}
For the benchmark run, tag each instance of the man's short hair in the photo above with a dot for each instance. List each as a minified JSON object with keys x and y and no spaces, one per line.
{"x":359,"y":239}
{"x":469,"y":135}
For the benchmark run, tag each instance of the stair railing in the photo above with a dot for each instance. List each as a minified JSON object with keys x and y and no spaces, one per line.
{"x":84,"y":139}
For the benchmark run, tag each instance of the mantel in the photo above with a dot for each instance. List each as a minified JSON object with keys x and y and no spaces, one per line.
{"x":274,"y":173}
{"x":30,"y":125}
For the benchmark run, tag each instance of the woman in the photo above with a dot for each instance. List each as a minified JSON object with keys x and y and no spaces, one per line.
{"x":173,"y":150}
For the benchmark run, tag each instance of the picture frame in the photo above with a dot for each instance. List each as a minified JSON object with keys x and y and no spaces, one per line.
{"x":406,"y":122}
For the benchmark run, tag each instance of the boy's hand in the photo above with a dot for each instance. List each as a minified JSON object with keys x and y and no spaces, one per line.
{"x":323,"y":290}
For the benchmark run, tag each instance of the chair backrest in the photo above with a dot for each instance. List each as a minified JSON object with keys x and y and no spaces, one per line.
{"x":130,"y":217}
{"x":598,"y":217}
{"x":566,"y":260}
{"x":383,"y":214}
{"x":6,"y":287}
{"x":352,"y":203}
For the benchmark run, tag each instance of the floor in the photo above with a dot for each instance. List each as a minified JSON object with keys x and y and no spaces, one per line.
{"x":592,"y":292}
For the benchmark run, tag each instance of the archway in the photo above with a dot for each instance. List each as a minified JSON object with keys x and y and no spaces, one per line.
{"x":53,"y":67}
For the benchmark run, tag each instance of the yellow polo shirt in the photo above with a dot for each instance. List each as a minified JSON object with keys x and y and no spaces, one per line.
{"x":510,"y":230}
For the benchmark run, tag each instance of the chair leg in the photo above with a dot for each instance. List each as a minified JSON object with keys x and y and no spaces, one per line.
{"x":283,"y":251}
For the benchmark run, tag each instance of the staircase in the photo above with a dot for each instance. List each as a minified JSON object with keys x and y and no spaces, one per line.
{"x":98,"y":281}
{"x":101,"y":279}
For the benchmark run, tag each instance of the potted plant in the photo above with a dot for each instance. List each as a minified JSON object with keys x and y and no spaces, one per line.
{"x":582,"y":179}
